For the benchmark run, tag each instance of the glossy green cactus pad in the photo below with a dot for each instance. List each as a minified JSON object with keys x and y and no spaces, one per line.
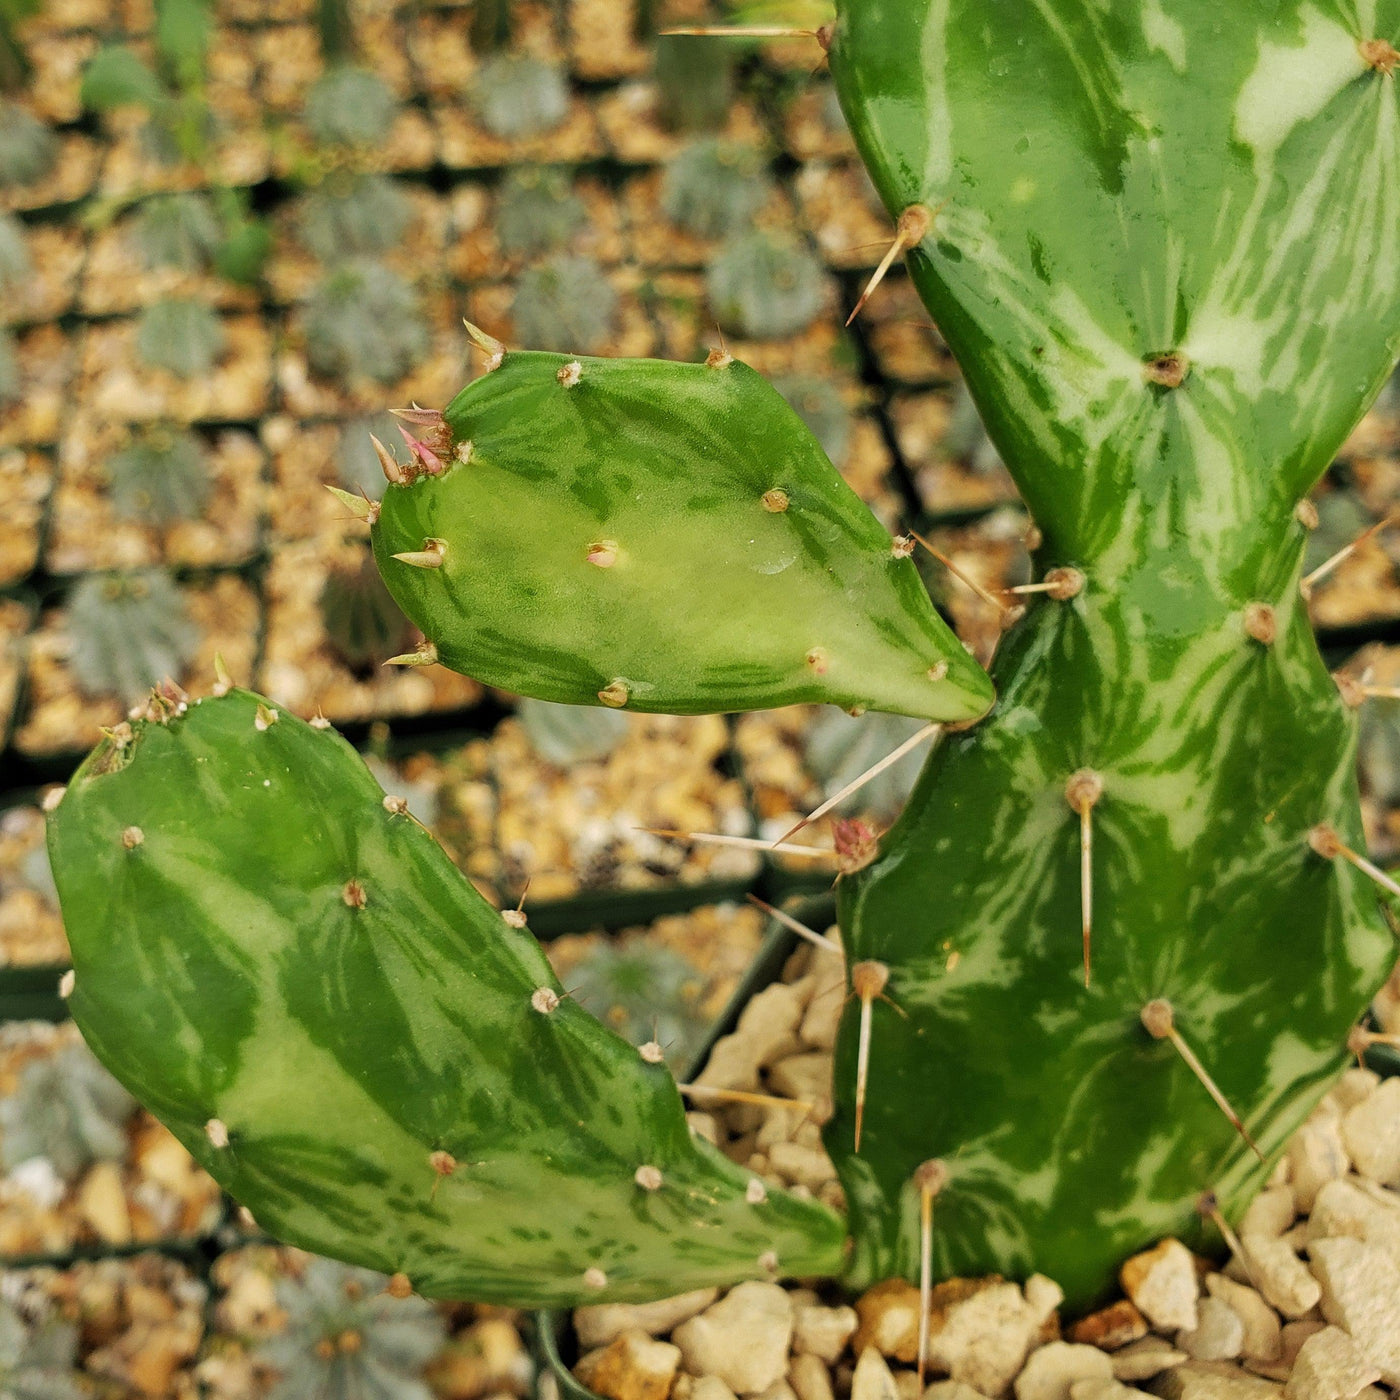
{"x":288,"y":970}
{"x":668,"y":537}
{"x":1164,"y":242}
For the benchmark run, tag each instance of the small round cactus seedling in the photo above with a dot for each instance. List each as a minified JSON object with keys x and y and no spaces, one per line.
{"x":127,"y":632}
{"x":714,"y":188}
{"x":68,"y":1110}
{"x":363,"y":623}
{"x":160,"y":477}
{"x":38,"y":1361}
{"x":350,"y":106}
{"x":178,"y":230}
{"x":14,"y":254}
{"x":351,"y":1333}
{"x":363,"y":323}
{"x":566,"y":304}
{"x":765,"y":287}
{"x":352,"y":214}
{"x":537,"y":211}
{"x":185,"y":337}
{"x":517,"y":97}
{"x":694,"y":83}
{"x":567,"y":734}
{"x":28,"y":148}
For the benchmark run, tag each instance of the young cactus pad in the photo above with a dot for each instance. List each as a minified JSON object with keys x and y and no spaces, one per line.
{"x":666,"y":537}
{"x":289,"y":971}
{"x":1164,"y":244}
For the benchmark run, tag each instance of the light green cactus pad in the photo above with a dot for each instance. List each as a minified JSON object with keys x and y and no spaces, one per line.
{"x":294,"y":977}
{"x":668,"y":537}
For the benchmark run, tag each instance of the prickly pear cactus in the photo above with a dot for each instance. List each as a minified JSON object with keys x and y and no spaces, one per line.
{"x":68,"y":1110}
{"x":348,"y":1338}
{"x":558,"y":537}
{"x":363,"y":1051}
{"x":1164,"y":244}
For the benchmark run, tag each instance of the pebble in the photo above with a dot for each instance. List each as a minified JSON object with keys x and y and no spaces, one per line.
{"x":823,"y":1332}
{"x":632,"y":1366}
{"x":1111,"y":1327}
{"x":743,"y":1339}
{"x":1162,"y":1283}
{"x":1052,"y":1369}
{"x":102,"y":1203}
{"x":952,"y":1390}
{"x":823,"y":1014}
{"x":1218,"y":1334}
{"x":1140,"y":1361}
{"x":1261,"y":1327}
{"x":810,"y":1166}
{"x":767,"y":1031}
{"x":1105,"y":1390}
{"x":810,"y":1378}
{"x":1371,"y":1132}
{"x":710,"y":1388}
{"x":1347,"y":1208}
{"x":1329,"y":1366}
{"x":1361,"y":1293}
{"x":1355,"y":1085}
{"x":1214,"y":1380}
{"x":599,"y":1323}
{"x":1316,"y":1156}
{"x":1270,"y":1213}
{"x":1282,"y":1277}
{"x":872,"y":1379}
{"x":806,"y":1076}
{"x":889,"y":1320}
{"x":982,"y":1333}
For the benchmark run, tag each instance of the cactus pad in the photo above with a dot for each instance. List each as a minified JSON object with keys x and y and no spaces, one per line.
{"x":662,"y":536}
{"x":1164,"y":244}
{"x":295,"y":978}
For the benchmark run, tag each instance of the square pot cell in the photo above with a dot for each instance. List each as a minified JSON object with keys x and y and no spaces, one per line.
{"x":579,"y":828}
{"x":659,"y":243}
{"x":813,"y":127}
{"x":440,"y":369}
{"x":440,"y":48}
{"x":603,"y":44}
{"x":47,"y":357}
{"x":16,"y":619}
{"x":613,"y":320}
{"x":305,"y":668}
{"x":31,"y":928}
{"x":475,"y":252}
{"x":26,"y":481}
{"x":133,"y":1326}
{"x":840,"y":206}
{"x":240,"y":157}
{"x":118,"y":386}
{"x":293,"y":270}
{"x":72,"y":176}
{"x":56,"y":256}
{"x":902,"y":337}
{"x":224,"y":616}
{"x":85,"y":1165}
{"x":117,"y":278}
{"x":130,"y":499}
{"x":632,"y":125}
{"x":955,"y":467}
